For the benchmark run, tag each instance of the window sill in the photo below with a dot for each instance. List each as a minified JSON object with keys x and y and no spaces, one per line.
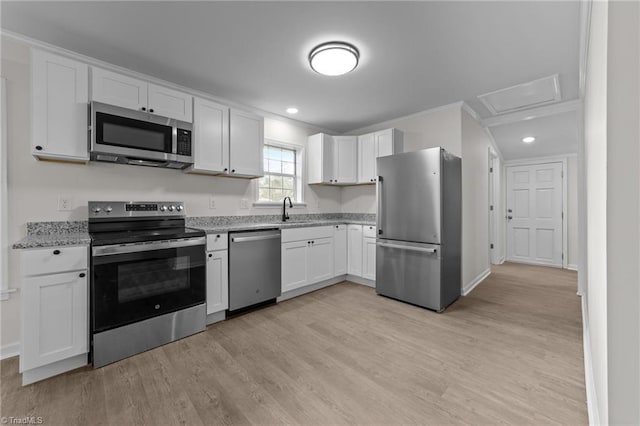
{"x":278,"y":205}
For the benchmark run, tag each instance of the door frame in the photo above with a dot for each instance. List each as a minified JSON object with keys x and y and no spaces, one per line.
{"x":537,"y":161}
{"x":494,"y":205}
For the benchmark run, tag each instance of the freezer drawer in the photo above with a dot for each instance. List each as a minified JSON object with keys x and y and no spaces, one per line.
{"x":410,"y":272}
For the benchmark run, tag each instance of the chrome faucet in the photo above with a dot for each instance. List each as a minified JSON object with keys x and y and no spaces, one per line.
{"x":285,"y":216}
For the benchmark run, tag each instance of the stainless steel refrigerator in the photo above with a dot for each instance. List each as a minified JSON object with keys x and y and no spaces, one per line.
{"x":419,"y":220}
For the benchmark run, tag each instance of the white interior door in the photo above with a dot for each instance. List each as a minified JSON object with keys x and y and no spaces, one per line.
{"x":535,"y":214}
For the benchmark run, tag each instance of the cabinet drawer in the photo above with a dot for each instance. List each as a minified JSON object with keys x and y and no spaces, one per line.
{"x":53,"y":260}
{"x":217,"y":241}
{"x":368,"y":231}
{"x":312,"y":232}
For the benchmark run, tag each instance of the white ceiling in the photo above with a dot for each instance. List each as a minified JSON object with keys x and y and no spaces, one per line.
{"x":414,"y":55}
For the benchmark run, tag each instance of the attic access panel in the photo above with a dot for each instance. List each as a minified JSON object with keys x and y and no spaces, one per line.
{"x":522,"y":96}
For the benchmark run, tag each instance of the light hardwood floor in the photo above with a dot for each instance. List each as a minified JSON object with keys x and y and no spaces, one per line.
{"x":509,"y":353}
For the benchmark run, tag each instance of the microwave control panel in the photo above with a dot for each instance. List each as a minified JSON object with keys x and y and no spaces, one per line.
{"x":184,"y":142}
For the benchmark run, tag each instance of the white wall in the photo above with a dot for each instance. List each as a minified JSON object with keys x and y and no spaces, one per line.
{"x":428,"y":129}
{"x":623,"y":213}
{"x":572,"y":211}
{"x":596,"y":175}
{"x":34,"y":186}
{"x":475,"y":200}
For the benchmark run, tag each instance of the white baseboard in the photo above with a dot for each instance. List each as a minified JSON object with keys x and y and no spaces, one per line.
{"x":572,"y":267}
{"x":359,"y":280}
{"x":53,"y":369}
{"x":592,"y":396}
{"x":467,"y":288}
{"x":309,"y":288}
{"x":10,"y":350}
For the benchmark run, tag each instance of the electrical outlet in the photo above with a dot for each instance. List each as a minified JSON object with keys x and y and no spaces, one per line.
{"x":244,"y":203}
{"x":65,"y":204}
{"x":212,"y":203}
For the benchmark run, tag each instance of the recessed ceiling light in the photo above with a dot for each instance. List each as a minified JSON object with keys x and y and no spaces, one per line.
{"x":292,"y":110}
{"x":334,"y":58}
{"x":528,"y":139}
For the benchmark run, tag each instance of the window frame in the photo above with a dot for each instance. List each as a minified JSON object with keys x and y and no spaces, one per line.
{"x":298,"y":180}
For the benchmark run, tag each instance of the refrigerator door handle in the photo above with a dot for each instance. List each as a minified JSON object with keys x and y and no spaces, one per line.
{"x":410,"y":248}
{"x":379,"y":198}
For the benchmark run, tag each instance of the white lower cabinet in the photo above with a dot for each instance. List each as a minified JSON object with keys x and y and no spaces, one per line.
{"x":217,"y":281}
{"x":369,"y":258}
{"x":354,"y":250}
{"x":369,"y":252}
{"x":55,"y":312}
{"x":307,"y":256}
{"x":339,"y":250}
{"x":217,"y":273}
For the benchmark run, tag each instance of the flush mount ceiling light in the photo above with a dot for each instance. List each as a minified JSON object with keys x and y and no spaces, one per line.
{"x":528,"y":139}
{"x":292,"y":110}
{"x":334,"y":58}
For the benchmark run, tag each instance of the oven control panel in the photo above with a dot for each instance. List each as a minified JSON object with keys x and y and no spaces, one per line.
{"x":124,"y":209}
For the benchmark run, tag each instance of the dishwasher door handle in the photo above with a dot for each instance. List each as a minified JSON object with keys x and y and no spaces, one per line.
{"x":256,"y":238}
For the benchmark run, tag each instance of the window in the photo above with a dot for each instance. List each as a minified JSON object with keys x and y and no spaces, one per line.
{"x":281,"y":174}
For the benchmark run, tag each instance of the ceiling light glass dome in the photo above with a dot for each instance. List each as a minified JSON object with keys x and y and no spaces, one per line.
{"x":334,"y":58}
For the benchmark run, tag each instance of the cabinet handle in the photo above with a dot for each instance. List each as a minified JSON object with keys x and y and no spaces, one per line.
{"x":38,"y":148}
{"x":82,"y":275}
{"x":210,"y":255}
{"x":151,"y":110}
{"x":143,"y":109}
{"x":56,"y":252}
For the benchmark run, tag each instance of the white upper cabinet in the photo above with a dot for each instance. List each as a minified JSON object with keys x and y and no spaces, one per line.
{"x":246,"y":140}
{"x":170,"y":103}
{"x":59,"y":97}
{"x":346,"y":159}
{"x":332,"y":159}
{"x":211,"y":137}
{"x":128,"y":92}
{"x":374,"y":145}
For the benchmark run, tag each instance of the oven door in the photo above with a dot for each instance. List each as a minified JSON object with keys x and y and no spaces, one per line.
{"x":133,"y":282}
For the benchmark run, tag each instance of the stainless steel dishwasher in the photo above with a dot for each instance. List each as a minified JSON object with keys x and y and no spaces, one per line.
{"x":254,"y":268}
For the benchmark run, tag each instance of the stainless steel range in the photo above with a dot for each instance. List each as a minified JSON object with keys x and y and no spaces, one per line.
{"x":148,"y":279}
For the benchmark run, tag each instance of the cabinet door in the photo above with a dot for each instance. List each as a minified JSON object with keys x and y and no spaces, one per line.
{"x":217,"y":281}
{"x":246,"y":138}
{"x":59,"y":96}
{"x":117,"y":89}
{"x":294,"y":265}
{"x":54,"y":318}
{"x":170,"y":103}
{"x":320,"y":260}
{"x":346,"y":159}
{"x":385,"y":143}
{"x":211,"y":137}
{"x":354,"y":250}
{"x":339,"y":250}
{"x":369,"y":258}
{"x":366,"y":158}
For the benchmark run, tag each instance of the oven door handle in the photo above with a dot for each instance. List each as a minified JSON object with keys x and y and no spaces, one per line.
{"x":150,"y":246}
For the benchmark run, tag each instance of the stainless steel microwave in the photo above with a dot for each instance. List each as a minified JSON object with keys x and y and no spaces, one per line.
{"x":125,"y":136}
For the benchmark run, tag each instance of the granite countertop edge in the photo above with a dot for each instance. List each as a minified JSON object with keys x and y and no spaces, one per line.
{"x":53,"y":240}
{"x":282,"y":225}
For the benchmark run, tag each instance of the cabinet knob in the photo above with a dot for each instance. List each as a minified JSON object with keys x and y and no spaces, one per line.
{"x":233,"y":170}
{"x":218,"y":236}
{"x":151,"y":110}
{"x":56,"y":252}
{"x":38,"y":148}
{"x":312,"y":242}
{"x":210,"y":255}
{"x":82,"y":275}
{"x":143,"y":109}
{"x":225,"y":169}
